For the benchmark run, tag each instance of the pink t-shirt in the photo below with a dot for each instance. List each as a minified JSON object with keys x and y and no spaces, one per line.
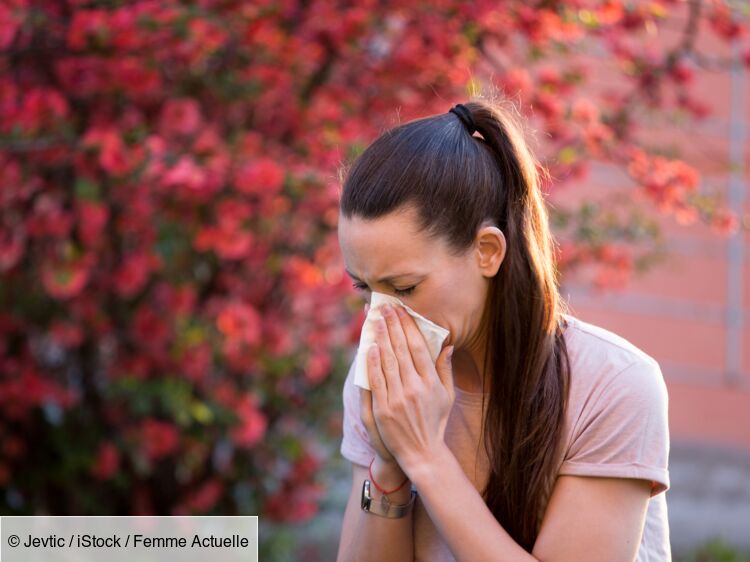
{"x":615,"y":425}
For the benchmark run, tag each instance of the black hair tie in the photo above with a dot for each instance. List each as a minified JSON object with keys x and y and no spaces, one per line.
{"x":465,"y":116}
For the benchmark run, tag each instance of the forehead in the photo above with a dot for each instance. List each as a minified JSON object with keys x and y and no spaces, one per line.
{"x":375,"y":246}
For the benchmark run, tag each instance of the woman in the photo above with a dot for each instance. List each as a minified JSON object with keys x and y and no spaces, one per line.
{"x":543,"y":437}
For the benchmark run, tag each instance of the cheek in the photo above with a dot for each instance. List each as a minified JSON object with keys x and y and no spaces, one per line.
{"x":450,"y":301}
{"x":444,"y":309}
{"x":454,"y":306}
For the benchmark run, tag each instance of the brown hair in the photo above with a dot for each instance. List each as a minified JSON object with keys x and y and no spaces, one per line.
{"x":456,"y":181}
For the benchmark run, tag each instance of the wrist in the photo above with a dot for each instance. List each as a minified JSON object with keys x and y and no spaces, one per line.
{"x":390,"y":476}
{"x":423,"y":472}
{"x":387,"y":473}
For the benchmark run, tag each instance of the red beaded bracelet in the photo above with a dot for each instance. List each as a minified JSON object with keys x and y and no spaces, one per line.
{"x":381,"y":490}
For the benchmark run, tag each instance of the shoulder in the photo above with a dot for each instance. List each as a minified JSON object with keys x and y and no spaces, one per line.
{"x":601,"y":358}
{"x":617,"y":414}
{"x":610,"y":378}
{"x":591,"y":341}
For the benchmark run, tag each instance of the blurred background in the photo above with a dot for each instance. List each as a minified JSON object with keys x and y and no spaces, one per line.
{"x":175,"y":322}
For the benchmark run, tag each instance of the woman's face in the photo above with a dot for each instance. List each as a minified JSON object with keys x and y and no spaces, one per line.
{"x":448,"y":290}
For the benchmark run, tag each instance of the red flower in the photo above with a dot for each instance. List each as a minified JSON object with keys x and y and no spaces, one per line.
{"x":107,"y":461}
{"x":252,"y":425}
{"x":304,"y":467}
{"x":84,"y":75}
{"x":11,"y":18}
{"x":41,"y":108}
{"x":133,"y":274}
{"x":180,"y":117}
{"x":130,"y":75}
{"x":317,"y":367}
{"x":201,"y":500}
{"x":158,"y":438}
{"x":585,"y":111}
{"x":150,"y":328}
{"x":517,"y":81}
{"x":67,"y":334}
{"x":294,"y":505}
{"x":725,"y":222}
{"x":196,"y":361}
{"x":64,"y":280}
{"x":92,"y":218}
{"x":185,"y":173}
{"x":262,"y":177}
{"x":114,"y":157}
{"x":240,"y":321}
{"x":12,"y":247}
{"x":49,"y":218}
{"x":85,"y":26}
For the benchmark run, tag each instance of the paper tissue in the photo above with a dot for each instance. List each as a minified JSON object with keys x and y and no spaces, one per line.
{"x":434,"y":335}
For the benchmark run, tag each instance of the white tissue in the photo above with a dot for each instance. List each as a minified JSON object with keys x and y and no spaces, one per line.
{"x":434,"y":335}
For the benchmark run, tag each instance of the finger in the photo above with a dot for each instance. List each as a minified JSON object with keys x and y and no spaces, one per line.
{"x":399,"y":344}
{"x":388,"y":360}
{"x":365,"y":412}
{"x":444,"y":369}
{"x":378,"y":383}
{"x":365,"y":407}
{"x":420,"y":354}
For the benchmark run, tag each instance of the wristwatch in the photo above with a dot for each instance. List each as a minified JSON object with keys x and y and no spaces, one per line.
{"x":384,"y":507}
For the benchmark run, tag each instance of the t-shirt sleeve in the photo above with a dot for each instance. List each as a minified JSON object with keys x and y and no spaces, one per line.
{"x":624,"y":431}
{"x":355,"y":445}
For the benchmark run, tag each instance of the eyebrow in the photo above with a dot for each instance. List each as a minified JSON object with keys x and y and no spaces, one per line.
{"x":384,"y":279}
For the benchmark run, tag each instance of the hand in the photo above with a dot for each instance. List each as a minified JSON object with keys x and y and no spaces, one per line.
{"x":369,"y":422}
{"x":372,"y":429}
{"x":411,"y":397}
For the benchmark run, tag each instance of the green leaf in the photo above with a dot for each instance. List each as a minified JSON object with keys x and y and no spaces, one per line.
{"x":87,"y":190}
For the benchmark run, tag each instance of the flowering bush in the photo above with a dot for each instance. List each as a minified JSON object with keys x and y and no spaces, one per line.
{"x":174,"y":321}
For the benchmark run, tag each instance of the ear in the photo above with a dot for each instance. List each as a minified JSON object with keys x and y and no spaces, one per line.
{"x":490,"y":249}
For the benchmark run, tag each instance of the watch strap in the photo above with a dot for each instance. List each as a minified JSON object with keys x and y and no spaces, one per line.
{"x":383,"y":506}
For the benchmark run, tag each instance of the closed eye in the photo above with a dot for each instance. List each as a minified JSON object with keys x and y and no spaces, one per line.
{"x":400,"y":292}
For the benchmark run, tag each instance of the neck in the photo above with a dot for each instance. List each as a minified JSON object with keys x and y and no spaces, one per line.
{"x":468,"y":361}
{"x":468,"y":369}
